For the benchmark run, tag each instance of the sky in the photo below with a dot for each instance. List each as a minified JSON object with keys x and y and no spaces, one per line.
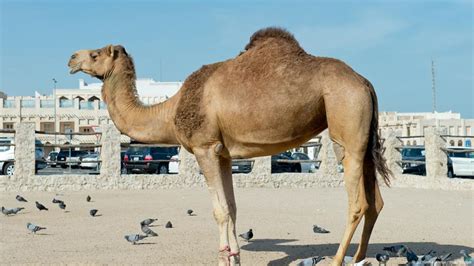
{"x":391,"y":43}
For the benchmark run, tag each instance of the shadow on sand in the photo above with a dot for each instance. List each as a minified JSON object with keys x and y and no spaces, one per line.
{"x":298,"y":252}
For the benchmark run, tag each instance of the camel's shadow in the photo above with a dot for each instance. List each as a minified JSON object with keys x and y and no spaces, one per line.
{"x":297,"y":252}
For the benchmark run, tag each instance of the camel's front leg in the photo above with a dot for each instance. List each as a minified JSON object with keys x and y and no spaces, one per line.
{"x":218,"y":173}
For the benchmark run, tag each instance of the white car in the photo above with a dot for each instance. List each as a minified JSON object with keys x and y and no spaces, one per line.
{"x":90,"y":161}
{"x":460,"y":163}
{"x":173,"y":167}
{"x":7,"y":156}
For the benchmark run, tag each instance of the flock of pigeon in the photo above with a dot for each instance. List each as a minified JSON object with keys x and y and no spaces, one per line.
{"x":132,"y":238}
{"x":430,"y":258}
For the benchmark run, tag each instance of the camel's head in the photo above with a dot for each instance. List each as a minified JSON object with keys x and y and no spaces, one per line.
{"x":98,"y":63}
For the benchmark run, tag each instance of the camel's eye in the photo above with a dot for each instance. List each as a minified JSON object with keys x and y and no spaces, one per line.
{"x":95,"y":54}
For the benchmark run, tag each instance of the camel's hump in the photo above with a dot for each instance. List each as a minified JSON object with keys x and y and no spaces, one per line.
{"x":271,"y":32}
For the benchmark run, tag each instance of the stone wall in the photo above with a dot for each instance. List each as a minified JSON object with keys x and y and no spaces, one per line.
{"x":110,"y":177}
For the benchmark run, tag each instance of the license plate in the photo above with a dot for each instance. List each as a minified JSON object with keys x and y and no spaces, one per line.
{"x":235,"y":167}
{"x":135,"y":158}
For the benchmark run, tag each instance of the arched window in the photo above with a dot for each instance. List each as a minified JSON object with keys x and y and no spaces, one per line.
{"x":459,"y":143}
{"x":64,"y":102}
{"x":408,"y":143}
{"x":451,"y":143}
{"x":414,"y":142}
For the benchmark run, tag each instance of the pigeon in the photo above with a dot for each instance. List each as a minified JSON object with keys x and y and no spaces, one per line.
{"x":93,"y":212}
{"x":169,"y":225}
{"x":148,"y":231}
{"x":429,"y":255}
{"x":190,"y":212}
{"x":247,"y":236}
{"x":411,"y":256}
{"x":57,"y":201}
{"x":20,"y":198}
{"x":319,"y":230}
{"x":62,"y":206}
{"x":467,"y":258}
{"x":439,"y":258}
{"x":34,"y":228}
{"x":88,"y":199}
{"x":382,"y":258}
{"x":399,"y":250}
{"x":134,"y":238}
{"x":41,"y":207}
{"x":310,"y":261}
{"x":147,"y":222}
{"x":11,"y":211}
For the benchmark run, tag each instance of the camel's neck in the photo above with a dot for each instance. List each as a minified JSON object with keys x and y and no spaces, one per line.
{"x":148,"y":124}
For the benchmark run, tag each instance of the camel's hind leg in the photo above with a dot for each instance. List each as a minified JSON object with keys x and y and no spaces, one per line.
{"x":218,"y":173}
{"x":375,"y":203}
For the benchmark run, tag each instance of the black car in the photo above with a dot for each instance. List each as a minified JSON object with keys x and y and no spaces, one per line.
{"x":71,"y":158}
{"x":415,"y":155}
{"x":284,"y":167}
{"x":241,"y":166}
{"x":142,"y":159}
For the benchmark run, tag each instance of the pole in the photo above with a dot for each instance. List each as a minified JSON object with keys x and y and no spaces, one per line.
{"x":433,"y":85}
{"x":55,"y":119}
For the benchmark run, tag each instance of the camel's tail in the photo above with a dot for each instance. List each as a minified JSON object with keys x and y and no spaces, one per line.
{"x":374,"y":147}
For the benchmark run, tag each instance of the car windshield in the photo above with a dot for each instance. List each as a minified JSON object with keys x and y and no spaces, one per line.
{"x":414,"y":152}
{"x":4,"y":148}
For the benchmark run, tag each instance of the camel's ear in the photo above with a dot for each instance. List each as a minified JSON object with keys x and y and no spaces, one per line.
{"x":110,"y":50}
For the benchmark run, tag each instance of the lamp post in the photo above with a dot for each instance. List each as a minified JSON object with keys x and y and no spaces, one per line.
{"x":55,"y":119}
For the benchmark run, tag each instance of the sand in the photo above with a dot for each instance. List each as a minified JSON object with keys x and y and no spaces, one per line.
{"x":281,"y":219}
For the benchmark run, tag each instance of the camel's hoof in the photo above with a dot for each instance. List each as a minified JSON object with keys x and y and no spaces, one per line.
{"x":226,"y":257}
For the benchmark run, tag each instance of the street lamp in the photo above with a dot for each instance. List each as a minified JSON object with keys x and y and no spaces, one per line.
{"x":55,"y":119}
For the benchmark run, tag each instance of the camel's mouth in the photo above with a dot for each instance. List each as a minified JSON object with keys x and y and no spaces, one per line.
{"x":75,"y":68}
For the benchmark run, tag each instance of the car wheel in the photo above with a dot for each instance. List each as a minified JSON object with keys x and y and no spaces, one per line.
{"x":163,"y":169}
{"x":63,"y":166}
{"x":54,"y":166}
{"x":9,"y":169}
{"x":297,"y":168}
{"x":450,"y":173}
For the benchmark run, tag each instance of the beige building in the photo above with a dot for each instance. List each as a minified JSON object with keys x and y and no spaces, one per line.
{"x":79,"y":110}
{"x":458,"y":131}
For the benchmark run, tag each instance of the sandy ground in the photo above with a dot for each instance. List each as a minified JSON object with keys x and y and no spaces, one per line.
{"x":282,"y":221}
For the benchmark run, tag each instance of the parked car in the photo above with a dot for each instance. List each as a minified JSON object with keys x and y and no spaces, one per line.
{"x":308,"y":167}
{"x":173,"y":167}
{"x":7,"y":156}
{"x":460,"y":163}
{"x":414,"y":154}
{"x":123,"y":169}
{"x":241,"y":166}
{"x":137,"y":159}
{"x":91,"y":161}
{"x":51,"y":159}
{"x":284,"y":167}
{"x":71,"y":158}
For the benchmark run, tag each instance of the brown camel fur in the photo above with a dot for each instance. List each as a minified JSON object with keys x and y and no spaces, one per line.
{"x":271,"y":97}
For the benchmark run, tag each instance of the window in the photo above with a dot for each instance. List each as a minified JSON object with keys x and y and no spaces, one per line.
{"x":460,"y":143}
{"x":27,"y":103}
{"x":102,"y":105}
{"x":47,"y":126}
{"x":451,"y":143}
{"x":9,"y":104}
{"x":85,"y":129}
{"x":65,"y":103}
{"x":8,"y":125}
{"x":46,"y":103}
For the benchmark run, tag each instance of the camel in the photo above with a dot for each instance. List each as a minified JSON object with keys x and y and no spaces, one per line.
{"x":271,"y":97}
